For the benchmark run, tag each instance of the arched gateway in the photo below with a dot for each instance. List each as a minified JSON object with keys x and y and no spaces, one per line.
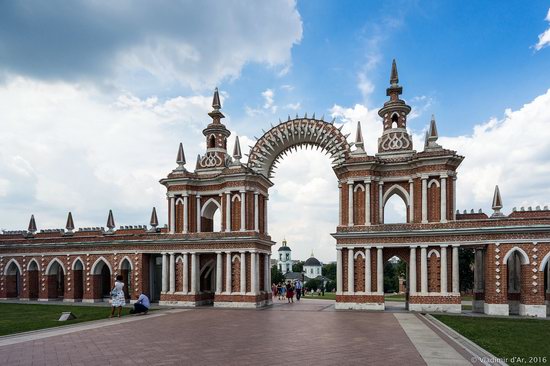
{"x":216,"y":247}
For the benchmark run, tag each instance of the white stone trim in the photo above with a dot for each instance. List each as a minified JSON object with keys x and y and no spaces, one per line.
{"x":92,"y":269}
{"x":524,"y":256}
{"x":35,"y":261}
{"x":236,"y":257}
{"x":432,"y":182}
{"x":434,"y":251}
{"x":359,"y":253}
{"x":359,"y":306}
{"x":236,"y":197}
{"x":7,"y":266}
{"x":436,"y":308}
{"x":207,"y":205}
{"x":496,"y":309}
{"x":47,"y":272}
{"x":395,"y":189}
{"x":544,"y":261}
{"x":538,"y":311}
{"x":359,"y":187}
{"x":73,"y":266}
{"x":180,"y":200}
{"x":129,"y":261}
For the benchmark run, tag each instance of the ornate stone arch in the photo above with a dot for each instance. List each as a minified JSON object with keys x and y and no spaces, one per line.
{"x":97,"y":261}
{"x":179,"y":200}
{"x":359,"y":253}
{"x":434,"y":251}
{"x":400,"y":191}
{"x":524,"y":258}
{"x":55,"y":260}
{"x":236,"y":257}
{"x":35,"y":262}
{"x":359,"y":187}
{"x":236,"y":197}
{"x":209,"y":208}
{"x":129,"y":261}
{"x":432,"y":182}
{"x":293,"y":134}
{"x":543,"y":262}
{"x":78,"y":259}
{"x":8,"y":265}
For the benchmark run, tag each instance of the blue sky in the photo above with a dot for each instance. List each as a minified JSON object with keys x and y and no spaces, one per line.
{"x":95,"y":97}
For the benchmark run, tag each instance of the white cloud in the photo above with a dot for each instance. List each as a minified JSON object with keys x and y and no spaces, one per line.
{"x":544,"y":37}
{"x":293,"y":106}
{"x":269,"y":102}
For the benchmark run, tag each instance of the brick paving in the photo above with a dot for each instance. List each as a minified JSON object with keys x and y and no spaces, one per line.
{"x":313,"y":334}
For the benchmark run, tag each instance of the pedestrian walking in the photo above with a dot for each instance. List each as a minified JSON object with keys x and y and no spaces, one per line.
{"x":289,"y":292}
{"x":298,"y":285}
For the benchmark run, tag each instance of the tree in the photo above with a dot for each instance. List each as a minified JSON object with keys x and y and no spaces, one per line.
{"x":391,"y":277}
{"x":466,"y":260}
{"x":276,"y":275}
{"x":298,"y":267}
{"x":329,"y":271}
{"x":314,"y":284}
{"x":331,"y":285}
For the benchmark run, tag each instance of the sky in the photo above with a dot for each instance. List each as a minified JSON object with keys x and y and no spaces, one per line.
{"x":95,"y":97}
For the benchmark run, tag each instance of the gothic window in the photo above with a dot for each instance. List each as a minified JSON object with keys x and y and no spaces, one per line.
{"x":212,"y":141}
{"x":394,"y":120}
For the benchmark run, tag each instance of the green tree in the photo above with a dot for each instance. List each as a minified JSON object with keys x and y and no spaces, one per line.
{"x":466,"y":260}
{"x":313,"y":284}
{"x":329,"y":271}
{"x":391,"y":277}
{"x":276,"y":275}
{"x":331,"y":285}
{"x":298,"y":267}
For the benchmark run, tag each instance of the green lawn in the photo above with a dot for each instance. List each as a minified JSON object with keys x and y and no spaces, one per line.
{"x":505,"y":338}
{"x":394,"y":297}
{"x":18,"y":318}
{"x":328,"y":296}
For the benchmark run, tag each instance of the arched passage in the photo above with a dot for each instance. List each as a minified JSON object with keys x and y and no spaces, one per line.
{"x":101,"y":272}
{"x":126,"y":273}
{"x":211,"y":216}
{"x":516,"y":261}
{"x":78,"y":280}
{"x":396,"y":204}
{"x":55,"y":273}
{"x":33,"y":279}
{"x":13,"y":279}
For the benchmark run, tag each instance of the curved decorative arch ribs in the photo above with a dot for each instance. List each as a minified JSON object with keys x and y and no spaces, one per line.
{"x":295,"y":133}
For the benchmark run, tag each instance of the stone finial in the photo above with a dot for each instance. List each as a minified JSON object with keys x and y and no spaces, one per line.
{"x":180,"y":159}
{"x":394,"y":77}
{"x":237,"y":155}
{"x":32,"y":225}
{"x":154,"y":219}
{"x":432,"y":136}
{"x":359,"y":143}
{"x":111,"y":221}
{"x":497,"y":203}
{"x":216,"y":104}
{"x":70,"y":223}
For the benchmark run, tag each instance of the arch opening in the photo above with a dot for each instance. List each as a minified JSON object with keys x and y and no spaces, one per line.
{"x":395,"y":210}
{"x":211,"y":217}
{"x":102,"y":280}
{"x":513,"y":271}
{"x":33,"y":276}
{"x":13,"y":280}
{"x":78,"y":280}
{"x":56,"y":280}
{"x":126,"y":273}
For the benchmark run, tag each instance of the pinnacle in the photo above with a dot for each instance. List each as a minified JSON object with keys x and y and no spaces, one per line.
{"x":394,"y":78}
{"x":32,"y":225}
{"x":359,"y":134}
{"x":433,"y":128}
{"x":216,"y":104}
{"x":154,"y":219}
{"x":237,"y":149}
{"x":497,"y":203}
{"x":181,"y":156}
{"x":111,"y":221}
{"x":70,"y":223}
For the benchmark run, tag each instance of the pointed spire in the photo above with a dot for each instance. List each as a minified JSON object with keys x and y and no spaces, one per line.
{"x":32,"y":225}
{"x":180,"y":159}
{"x":433,"y":128}
{"x":394,"y":78}
{"x":497,"y":203}
{"x":237,"y":151}
{"x":154,"y":219}
{"x":359,"y":143}
{"x":432,"y":136}
{"x":312,"y":254}
{"x":111,"y":221}
{"x":70,"y":223}
{"x":216,"y":104}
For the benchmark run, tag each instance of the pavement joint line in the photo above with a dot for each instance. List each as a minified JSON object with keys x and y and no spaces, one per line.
{"x":72,"y":328}
{"x":471,"y":347}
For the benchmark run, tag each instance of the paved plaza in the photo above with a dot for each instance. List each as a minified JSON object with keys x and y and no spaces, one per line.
{"x":310,"y":332}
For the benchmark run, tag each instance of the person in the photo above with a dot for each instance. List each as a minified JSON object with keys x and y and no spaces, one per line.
{"x":274,"y":290}
{"x":279,"y":291}
{"x":141,"y":305}
{"x":298,"y":285}
{"x":117,"y":296}
{"x":289,"y":292}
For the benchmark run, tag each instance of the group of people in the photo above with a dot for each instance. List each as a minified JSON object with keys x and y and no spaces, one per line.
{"x":288,"y":290}
{"x":118,"y":300}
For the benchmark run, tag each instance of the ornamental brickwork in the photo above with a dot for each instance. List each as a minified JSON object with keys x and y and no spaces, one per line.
{"x":216,"y":248}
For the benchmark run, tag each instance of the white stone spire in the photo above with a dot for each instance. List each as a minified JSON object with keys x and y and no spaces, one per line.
{"x":70,"y":223}
{"x":432,"y":136}
{"x":110,"y":221}
{"x":180,"y":159}
{"x":359,"y":143}
{"x":237,"y":155}
{"x":32,"y":225}
{"x":497,"y":203}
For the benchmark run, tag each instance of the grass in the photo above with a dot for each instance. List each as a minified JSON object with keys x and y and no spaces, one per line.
{"x":18,"y":318}
{"x":518,"y":341}
{"x":328,"y":296}
{"x":394,"y":297}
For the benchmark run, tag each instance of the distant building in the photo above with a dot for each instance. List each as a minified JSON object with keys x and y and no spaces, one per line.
{"x":312,"y":267}
{"x":285,"y":258}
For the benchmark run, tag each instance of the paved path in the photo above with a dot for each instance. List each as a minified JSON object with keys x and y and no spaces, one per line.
{"x":313,"y":334}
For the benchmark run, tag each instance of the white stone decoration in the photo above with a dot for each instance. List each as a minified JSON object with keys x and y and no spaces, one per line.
{"x":498,"y":270}
{"x":498,"y":290}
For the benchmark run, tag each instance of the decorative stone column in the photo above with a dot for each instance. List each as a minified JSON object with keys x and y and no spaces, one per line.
{"x":350,"y":203}
{"x":265,"y":214}
{"x":367,"y":202}
{"x":172,"y":273}
{"x":368,"y":269}
{"x":253,"y":273}
{"x":411,"y":200}
{"x":379,"y":271}
{"x":194,"y":289}
{"x":198,"y":213}
{"x":381,"y":202}
{"x":339,"y":285}
{"x":185,"y":276}
{"x":454,"y":197}
{"x":424,"y":199}
{"x":219,"y":274}
{"x":164,"y":273}
{"x":351,"y":279}
{"x":227,"y":211}
{"x":172,"y":215}
{"x":228,"y":281}
{"x":256,"y":212}
{"x":243,"y":273}
{"x":340,"y":204}
{"x":412,"y":271}
{"x":185,"y":213}
{"x":243,"y":212}
{"x":267,"y":274}
{"x":423,"y":270}
{"x":456,"y":283}
{"x":443,"y":271}
{"x":443,"y":205}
